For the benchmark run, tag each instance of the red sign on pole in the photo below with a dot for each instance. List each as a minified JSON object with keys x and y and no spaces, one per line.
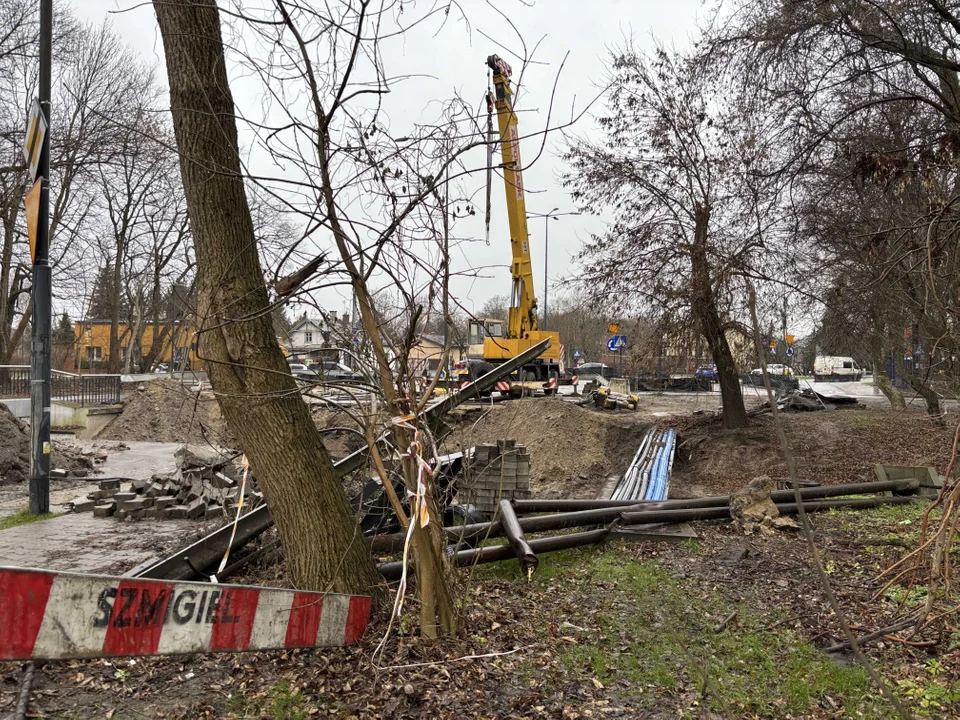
{"x":48,"y":615}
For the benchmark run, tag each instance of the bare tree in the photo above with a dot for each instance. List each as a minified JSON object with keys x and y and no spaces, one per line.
{"x":259,"y":399}
{"x":665,"y":170}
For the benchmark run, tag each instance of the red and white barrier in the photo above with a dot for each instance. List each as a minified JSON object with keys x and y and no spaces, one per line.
{"x":48,"y":615}
{"x":575,"y":380}
{"x":502,"y":386}
{"x":552,"y":382}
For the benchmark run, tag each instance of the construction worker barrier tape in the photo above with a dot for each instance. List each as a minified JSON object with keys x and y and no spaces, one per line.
{"x":49,"y":615}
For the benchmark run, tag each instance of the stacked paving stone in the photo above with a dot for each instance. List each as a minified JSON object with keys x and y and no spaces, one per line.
{"x":205,"y":485}
{"x":495,"y":472}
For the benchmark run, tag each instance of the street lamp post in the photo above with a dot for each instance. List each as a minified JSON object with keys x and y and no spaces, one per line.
{"x":552,"y":215}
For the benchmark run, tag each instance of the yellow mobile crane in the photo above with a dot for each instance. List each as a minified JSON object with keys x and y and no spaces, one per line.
{"x":522,"y":328}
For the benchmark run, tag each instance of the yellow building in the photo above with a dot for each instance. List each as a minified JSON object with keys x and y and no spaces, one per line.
{"x":425,"y":354}
{"x":92,"y":344}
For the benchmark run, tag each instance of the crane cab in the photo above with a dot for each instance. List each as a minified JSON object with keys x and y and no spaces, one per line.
{"x":479,"y":331}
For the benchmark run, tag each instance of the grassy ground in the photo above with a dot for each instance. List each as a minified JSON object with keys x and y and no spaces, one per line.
{"x":725,"y":626}
{"x":23,"y":517}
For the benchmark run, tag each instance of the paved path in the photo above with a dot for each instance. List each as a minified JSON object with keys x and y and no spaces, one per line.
{"x":82,"y":543}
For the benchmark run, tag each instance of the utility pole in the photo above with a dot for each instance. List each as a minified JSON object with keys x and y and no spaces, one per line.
{"x":41,"y":293}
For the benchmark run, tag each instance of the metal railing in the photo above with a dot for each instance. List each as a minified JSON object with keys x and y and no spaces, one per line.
{"x":64,"y":386}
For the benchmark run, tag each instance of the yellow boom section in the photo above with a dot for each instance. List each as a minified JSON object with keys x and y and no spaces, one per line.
{"x":523,"y":303}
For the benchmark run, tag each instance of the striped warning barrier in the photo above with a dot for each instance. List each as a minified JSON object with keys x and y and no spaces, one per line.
{"x":48,"y":615}
{"x":552,"y":382}
{"x":502,"y":386}
{"x":575,"y":380}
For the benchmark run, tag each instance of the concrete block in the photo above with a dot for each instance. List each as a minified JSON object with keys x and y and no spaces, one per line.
{"x":139,"y":485}
{"x":121,"y":514}
{"x":153,"y":512}
{"x":110,"y":484}
{"x":219,"y":480}
{"x":196,"y":509}
{"x":132,"y":505}
{"x":175,"y":512}
{"x":164,"y":502}
{"x":105,"y":510}
{"x":124,"y":496}
{"x":58,"y":474}
{"x":212,"y":512}
{"x":83,"y":505}
{"x":136,"y":514}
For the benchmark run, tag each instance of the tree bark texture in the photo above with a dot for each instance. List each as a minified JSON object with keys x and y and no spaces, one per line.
{"x":704,"y":306}
{"x":322,"y":542}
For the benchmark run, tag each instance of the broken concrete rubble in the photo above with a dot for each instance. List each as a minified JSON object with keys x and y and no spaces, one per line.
{"x":205,"y":484}
{"x":753,"y":509}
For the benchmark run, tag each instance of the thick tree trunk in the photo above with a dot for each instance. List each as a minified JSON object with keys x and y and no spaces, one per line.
{"x":892,"y":393}
{"x":322,"y":543}
{"x":704,"y":305}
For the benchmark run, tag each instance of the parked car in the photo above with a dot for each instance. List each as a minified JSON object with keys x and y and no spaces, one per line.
{"x":332,"y":370}
{"x":299,"y":370}
{"x":774,"y":369}
{"x":708,"y":372}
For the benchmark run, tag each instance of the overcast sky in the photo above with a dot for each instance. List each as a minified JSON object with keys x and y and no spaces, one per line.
{"x":454,"y":59}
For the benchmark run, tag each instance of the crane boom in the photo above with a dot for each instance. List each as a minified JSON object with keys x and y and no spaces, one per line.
{"x":522,"y":332}
{"x":522,"y":318}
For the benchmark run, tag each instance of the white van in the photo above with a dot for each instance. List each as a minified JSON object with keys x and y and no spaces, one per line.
{"x":832,"y":367}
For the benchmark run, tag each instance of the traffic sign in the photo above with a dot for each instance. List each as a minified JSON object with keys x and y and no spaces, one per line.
{"x":576,"y":353}
{"x":617,"y":342}
{"x":789,"y":339}
{"x":32,"y":204}
{"x":789,"y":352}
{"x":773,"y":348}
{"x":613,"y":328}
{"x":36,"y":130}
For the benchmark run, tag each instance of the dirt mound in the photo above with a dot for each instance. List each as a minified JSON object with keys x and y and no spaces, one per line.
{"x":573,"y":450}
{"x":166,"y":411}
{"x":15,"y":452}
{"x":830,"y":448}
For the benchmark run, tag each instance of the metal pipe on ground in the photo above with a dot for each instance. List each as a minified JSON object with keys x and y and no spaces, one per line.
{"x":513,"y":531}
{"x":392,"y":570}
{"x":649,"y":517}
{"x":821,"y":491}
{"x":481,"y":531}
{"x":493,"y":553}
{"x":668,"y":511}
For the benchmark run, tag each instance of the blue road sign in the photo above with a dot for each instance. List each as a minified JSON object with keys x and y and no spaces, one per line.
{"x":789,"y":352}
{"x":617,"y":342}
{"x":576,"y":353}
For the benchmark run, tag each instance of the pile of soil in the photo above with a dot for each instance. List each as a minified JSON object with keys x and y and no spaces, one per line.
{"x":830,"y":448}
{"x":15,"y":452}
{"x":573,"y":450}
{"x":166,"y":411}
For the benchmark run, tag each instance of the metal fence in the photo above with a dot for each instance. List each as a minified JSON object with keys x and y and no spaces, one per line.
{"x":64,"y":386}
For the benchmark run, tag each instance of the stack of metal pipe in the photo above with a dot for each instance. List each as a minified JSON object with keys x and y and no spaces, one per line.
{"x":648,"y":476}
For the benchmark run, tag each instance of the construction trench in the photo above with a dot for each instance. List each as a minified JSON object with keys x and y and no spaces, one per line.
{"x":638,"y":502}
